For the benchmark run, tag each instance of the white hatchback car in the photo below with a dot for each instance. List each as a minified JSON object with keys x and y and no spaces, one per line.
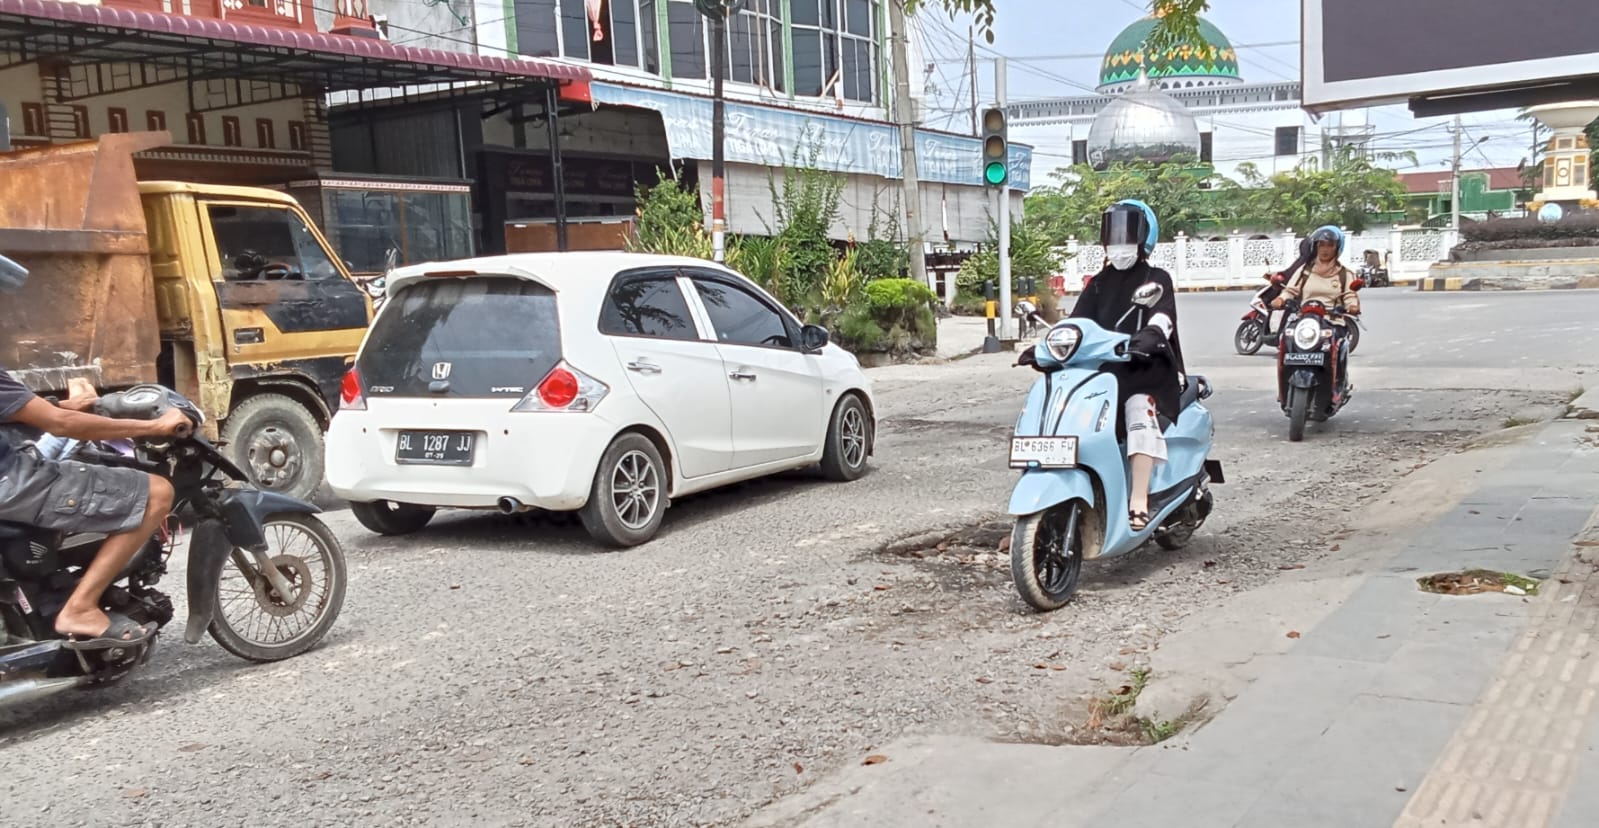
{"x":605,"y":383}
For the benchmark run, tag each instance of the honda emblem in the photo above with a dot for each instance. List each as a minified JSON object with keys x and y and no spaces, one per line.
{"x":441,"y":370}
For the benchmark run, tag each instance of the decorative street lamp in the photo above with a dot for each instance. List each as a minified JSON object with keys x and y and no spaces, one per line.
{"x":717,"y":11}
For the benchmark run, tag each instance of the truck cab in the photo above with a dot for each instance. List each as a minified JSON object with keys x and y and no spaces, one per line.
{"x":230,"y":295}
{"x":258,"y":321}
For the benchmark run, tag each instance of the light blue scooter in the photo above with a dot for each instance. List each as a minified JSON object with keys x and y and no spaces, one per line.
{"x":1071,"y":502}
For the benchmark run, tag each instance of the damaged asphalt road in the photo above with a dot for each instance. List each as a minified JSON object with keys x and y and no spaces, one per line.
{"x":501,"y":671}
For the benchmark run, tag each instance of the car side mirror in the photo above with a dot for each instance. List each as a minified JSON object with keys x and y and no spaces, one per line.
{"x":813,"y":338}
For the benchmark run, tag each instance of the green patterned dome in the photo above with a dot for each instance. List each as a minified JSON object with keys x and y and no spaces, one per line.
{"x":1210,"y":63}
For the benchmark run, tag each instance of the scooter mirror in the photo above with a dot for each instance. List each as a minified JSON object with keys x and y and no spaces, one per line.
{"x":12,"y":275}
{"x":1147,"y":295}
{"x":1025,"y":309}
{"x":1357,"y":284}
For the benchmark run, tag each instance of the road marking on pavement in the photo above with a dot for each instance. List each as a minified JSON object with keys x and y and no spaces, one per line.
{"x":1512,"y":761}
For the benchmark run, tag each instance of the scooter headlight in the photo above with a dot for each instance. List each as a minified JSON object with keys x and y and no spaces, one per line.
{"x":1307,"y":333}
{"x":1062,"y":341}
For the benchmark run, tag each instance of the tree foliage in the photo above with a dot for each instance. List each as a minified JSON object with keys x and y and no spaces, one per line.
{"x":1345,"y":192}
{"x":1071,"y":206}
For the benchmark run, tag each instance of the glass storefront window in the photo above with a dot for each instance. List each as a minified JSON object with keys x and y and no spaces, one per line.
{"x":423,"y":226}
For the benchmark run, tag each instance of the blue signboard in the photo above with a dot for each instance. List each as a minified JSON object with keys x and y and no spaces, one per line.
{"x":772,"y":137}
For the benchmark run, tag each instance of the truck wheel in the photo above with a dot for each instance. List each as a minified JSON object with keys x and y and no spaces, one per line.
{"x":277,"y":443}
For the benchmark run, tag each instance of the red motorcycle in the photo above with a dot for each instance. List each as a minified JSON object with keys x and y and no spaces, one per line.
{"x":1264,"y":326}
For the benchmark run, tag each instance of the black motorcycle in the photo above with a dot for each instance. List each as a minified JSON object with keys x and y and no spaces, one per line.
{"x":266,"y":577}
{"x":1313,"y":365}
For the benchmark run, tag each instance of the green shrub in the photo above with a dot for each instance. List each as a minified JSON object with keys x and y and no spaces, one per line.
{"x":669,"y":222}
{"x":881,"y":259}
{"x":896,"y":316}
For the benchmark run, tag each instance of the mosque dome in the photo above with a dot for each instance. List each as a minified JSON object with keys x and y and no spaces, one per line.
{"x":1142,"y":124}
{"x":1211,"y":62}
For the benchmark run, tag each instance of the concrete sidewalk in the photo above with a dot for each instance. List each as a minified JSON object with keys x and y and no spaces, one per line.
{"x":1397,"y":708}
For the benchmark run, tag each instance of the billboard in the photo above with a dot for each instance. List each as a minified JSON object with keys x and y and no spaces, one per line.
{"x":1448,"y":56}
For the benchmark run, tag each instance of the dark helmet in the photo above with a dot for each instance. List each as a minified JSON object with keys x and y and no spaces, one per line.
{"x":1129,"y":221}
{"x":1327,"y":233}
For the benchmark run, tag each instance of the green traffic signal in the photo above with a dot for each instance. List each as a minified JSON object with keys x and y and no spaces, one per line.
{"x":995,"y":173}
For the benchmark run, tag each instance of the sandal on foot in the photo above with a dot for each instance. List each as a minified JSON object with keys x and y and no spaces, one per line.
{"x":1139,"y":521}
{"x":121,"y":632}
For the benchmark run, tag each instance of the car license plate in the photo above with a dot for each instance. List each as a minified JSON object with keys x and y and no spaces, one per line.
{"x":1043,"y":452}
{"x":435,"y":448}
{"x":1305,"y":358}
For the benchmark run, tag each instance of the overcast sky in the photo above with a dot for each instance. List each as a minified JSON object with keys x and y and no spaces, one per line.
{"x":1032,"y":32}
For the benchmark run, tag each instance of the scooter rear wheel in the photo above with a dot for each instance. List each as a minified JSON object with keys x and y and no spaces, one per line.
{"x":1046,"y":556}
{"x":1249,"y":337}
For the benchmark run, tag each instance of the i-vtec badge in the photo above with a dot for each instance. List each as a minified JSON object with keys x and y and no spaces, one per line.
{"x":441,"y":370}
{"x":507,"y":389}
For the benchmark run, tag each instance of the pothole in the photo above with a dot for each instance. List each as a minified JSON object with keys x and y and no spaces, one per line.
{"x":1476,"y":582}
{"x":1111,"y":720}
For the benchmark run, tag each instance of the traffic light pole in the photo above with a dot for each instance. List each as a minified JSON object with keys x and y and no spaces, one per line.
{"x":1006,"y":332}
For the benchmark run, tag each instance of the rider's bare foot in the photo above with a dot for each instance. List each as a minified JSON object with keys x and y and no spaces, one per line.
{"x":90,"y":624}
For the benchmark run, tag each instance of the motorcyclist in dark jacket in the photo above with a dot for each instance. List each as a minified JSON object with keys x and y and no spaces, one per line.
{"x":1152,"y":382}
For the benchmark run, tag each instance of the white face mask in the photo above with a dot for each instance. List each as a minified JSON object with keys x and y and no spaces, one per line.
{"x":1122,"y":256}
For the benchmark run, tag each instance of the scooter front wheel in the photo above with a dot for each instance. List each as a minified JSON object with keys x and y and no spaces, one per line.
{"x":1251,"y":334}
{"x":1298,"y":411}
{"x":1046,"y":555}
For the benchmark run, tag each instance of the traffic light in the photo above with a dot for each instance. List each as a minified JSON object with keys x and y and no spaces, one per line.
{"x":996,"y":148}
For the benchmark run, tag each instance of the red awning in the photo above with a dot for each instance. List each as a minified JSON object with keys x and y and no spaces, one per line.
{"x":82,"y":34}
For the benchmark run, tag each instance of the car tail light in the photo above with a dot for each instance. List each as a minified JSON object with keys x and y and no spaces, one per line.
{"x":350,"y":396}
{"x":564,"y":388}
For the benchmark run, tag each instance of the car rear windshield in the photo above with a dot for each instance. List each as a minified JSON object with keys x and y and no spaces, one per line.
{"x":485,"y":336}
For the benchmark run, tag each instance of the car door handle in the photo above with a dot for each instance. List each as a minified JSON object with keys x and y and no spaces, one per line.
{"x":743,"y":375}
{"x":644,"y":367}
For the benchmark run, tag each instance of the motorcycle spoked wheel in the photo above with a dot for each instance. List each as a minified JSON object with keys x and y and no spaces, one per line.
{"x":1046,"y":555}
{"x":1249,"y":337}
{"x":252,"y":620}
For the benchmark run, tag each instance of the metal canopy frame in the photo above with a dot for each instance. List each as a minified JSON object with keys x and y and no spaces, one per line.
{"x":95,"y":50}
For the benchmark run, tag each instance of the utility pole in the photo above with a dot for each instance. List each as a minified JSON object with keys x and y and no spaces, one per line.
{"x":971,"y":68}
{"x":717,"y":11}
{"x":1454,"y":186}
{"x":1005,"y":331}
{"x":904,"y":114}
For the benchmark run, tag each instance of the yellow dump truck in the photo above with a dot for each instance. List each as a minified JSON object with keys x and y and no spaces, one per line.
{"x":228,"y":294}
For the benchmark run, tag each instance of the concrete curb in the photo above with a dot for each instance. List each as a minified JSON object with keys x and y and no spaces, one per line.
{"x":1488,"y":285}
{"x":1585,"y":407}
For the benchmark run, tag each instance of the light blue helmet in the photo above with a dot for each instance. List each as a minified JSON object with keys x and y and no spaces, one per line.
{"x":1327,"y":232}
{"x":1112,"y":230}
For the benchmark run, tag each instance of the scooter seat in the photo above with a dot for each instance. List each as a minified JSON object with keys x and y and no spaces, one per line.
{"x":1196,"y":386}
{"x":11,"y":531}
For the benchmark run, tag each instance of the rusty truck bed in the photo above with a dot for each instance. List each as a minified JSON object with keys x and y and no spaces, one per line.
{"x":72,"y":215}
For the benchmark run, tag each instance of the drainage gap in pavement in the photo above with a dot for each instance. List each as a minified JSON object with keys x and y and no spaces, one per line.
{"x":1476,"y":582}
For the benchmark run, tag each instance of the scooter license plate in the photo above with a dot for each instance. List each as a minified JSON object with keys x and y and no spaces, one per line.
{"x":1043,"y":452}
{"x":1305,"y":358}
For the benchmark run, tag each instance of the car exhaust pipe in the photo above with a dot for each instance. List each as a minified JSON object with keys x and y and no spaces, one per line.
{"x":510,"y":506}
